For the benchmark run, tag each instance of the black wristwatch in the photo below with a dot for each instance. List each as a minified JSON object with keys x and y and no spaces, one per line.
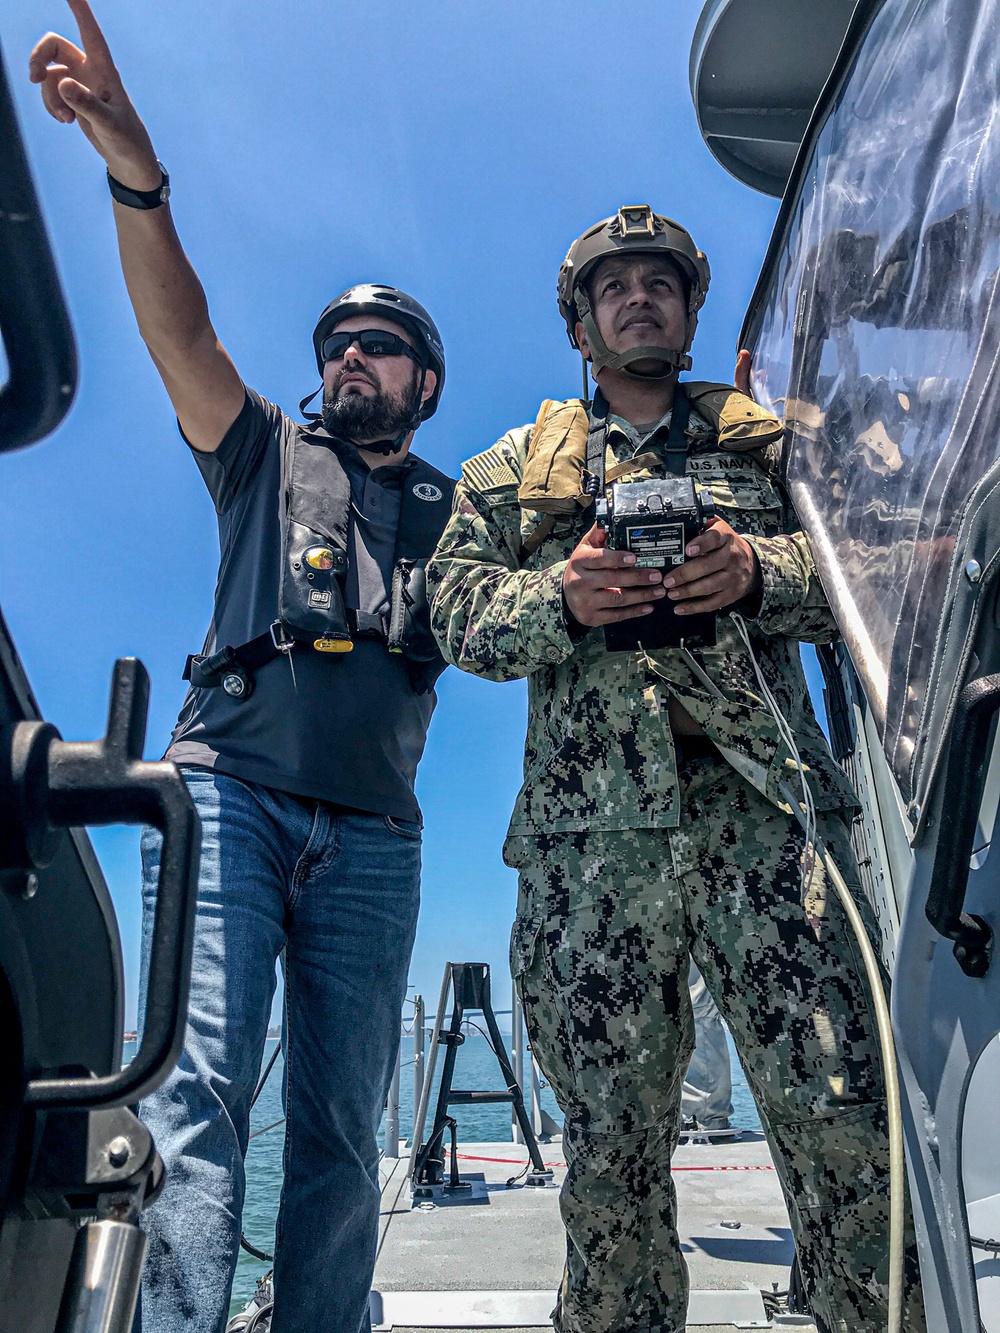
{"x":145,"y":199}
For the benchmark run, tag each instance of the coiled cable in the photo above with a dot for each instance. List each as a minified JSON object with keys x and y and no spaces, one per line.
{"x":897,"y":1159}
{"x":804,"y":811}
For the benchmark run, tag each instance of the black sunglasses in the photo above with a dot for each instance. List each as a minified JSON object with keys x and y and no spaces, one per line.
{"x":373,"y":342}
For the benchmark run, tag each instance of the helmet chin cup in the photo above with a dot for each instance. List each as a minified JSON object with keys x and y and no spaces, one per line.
{"x":384,"y":447}
{"x":670,"y":363}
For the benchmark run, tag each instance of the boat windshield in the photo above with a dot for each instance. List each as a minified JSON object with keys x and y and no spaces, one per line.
{"x":877,"y":333}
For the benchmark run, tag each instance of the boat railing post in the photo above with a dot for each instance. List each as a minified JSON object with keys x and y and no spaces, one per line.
{"x":419,"y":1046}
{"x":536,"y":1098}
{"x":517,"y":1049}
{"x":392,"y":1111}
{"x":420,"y":1115}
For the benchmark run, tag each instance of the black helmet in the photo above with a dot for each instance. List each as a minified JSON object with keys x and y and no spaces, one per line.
{"x":371,"y":298}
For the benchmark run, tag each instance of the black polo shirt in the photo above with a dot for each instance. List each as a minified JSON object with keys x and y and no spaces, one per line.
{"x":347,"y":727}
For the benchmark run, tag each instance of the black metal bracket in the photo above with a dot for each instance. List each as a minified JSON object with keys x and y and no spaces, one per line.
{"x":470,"y":983}
{"x":46,"y":782}
{"x":963,"y":784}
{"x":101,"y":1161}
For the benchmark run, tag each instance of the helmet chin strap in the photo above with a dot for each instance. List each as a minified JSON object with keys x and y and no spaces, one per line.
{"x":310,"y":416}
{"x":666,"y":361}
{"x":384,"y":447}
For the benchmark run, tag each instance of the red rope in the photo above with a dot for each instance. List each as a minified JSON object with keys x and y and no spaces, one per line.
{"x":514,"y":1161}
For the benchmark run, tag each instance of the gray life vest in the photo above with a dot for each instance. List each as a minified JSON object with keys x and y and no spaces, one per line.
{"x":315,"y":520}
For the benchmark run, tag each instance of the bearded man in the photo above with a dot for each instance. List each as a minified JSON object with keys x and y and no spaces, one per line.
{"x":299,"y":741}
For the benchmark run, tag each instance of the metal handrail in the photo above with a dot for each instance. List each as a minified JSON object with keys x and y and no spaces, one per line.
{"x":73,"y":784}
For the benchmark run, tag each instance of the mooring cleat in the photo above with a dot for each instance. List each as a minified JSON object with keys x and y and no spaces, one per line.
{"x":539,"y":1178}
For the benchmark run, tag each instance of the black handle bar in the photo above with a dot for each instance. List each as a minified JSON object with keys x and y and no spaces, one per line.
{"x":107,"y":782}
{"x":34,"y":323}
{"x":963,"y":782}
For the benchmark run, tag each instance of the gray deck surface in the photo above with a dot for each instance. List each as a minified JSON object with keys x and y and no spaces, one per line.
{"x":500,"y":1240}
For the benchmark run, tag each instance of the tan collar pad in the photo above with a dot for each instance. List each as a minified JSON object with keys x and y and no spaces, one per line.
{"x":741,"y":423}
{"x":553,"y":472}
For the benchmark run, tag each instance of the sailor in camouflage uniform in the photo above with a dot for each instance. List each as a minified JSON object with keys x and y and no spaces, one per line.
{"x":653,"y":824}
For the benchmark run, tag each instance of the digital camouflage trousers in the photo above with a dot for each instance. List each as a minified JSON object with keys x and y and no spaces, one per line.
{"x":605,"y":926}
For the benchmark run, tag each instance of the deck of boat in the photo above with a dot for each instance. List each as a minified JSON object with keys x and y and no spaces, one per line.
{"x":492,"y":1257}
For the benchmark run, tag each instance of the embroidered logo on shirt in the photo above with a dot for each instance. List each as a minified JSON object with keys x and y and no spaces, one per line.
{"x":424,"y":490}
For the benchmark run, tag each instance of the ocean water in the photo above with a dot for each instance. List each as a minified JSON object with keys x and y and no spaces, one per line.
{"x":476,"y":1067}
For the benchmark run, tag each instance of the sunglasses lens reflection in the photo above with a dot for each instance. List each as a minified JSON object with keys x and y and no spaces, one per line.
{"x":372,"y":342}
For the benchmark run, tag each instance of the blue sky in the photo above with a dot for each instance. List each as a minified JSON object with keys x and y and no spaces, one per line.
{"x":451,"y":148}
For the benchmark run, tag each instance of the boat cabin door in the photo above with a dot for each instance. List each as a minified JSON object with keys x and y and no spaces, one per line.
{"x":875,"y":333}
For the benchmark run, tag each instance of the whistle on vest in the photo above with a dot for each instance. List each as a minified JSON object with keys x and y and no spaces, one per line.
{"x":655,"y":520}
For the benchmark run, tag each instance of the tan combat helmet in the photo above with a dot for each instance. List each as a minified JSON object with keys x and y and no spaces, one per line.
{"x":635,"y":229}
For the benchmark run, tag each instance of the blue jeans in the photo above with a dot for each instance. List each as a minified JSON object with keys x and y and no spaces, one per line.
{"x":339,"y":893}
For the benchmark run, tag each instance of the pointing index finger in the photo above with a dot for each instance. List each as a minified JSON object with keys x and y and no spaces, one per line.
{"x":94,"y":42}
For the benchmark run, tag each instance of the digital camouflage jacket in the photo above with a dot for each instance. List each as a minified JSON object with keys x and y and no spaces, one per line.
{"x":599,"y":752}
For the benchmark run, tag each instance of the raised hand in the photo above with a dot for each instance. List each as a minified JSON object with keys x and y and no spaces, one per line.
{"x":741,"y":376}
{"x":84,"y":86}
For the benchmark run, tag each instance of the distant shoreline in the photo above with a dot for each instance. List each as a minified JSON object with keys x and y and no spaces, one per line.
{"x":273,"y":1034}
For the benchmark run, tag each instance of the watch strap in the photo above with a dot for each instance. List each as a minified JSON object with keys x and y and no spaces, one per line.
{"x":142,"y":199}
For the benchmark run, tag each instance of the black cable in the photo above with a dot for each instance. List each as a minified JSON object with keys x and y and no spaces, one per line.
{"x":252,"y":1249}
{"x":258,"y":1132}
{"x":489,"y":1040}
{"x":489,"y":1043}
{"x":258,"y":1315}
{"x":992,"y":1246}
{"x":775,"y":1302}
{"x":264,"y":1077}
{"x":520,"y":1175}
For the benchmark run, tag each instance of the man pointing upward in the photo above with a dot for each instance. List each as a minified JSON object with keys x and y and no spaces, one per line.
{"x":299,"y":740}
